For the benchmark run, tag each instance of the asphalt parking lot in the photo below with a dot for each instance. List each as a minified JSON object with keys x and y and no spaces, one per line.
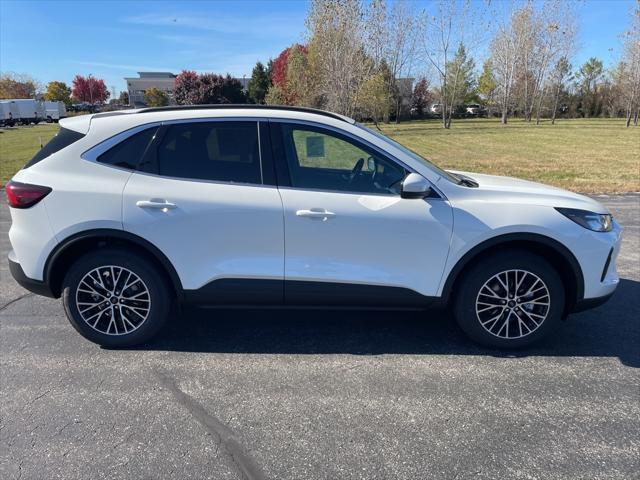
{"x":230,"y":394}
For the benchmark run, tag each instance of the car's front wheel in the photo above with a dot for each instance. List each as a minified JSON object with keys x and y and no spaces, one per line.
{"x":115,"y":298}
{"x":509,"y":300}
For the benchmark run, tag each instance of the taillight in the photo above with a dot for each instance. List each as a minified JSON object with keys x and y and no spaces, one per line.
{"x":24,"y":195}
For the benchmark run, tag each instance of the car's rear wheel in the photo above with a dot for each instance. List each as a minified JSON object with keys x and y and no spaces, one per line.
{"x":509,"y":300}
{"x":115,"y":298}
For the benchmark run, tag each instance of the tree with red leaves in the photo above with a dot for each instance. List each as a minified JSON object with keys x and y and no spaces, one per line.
{"x":187,"y":88}
{"x":280,"y":74}
{"x":89,"y":89}
{"x":421,"y":98}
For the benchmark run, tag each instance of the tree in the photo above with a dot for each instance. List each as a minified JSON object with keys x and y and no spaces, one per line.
{"x":299,"y":84}
{"x":58,"y":92}
{"x":291,"y":81}
{"x":588,"y":78}
{"x":391,"y":42}
{"x":156,"y":97}
{"x":559,"y":76}
{"x":89,"y":89}
{"x":338,"y":60}
{"x":232,"y":91}
{"x":186,"y":91}
{"x":487,"y":84}
{"x":123,"y":99}
{"x":14,"y":85}
{"x":450,"y":23}
{"x":506,"y":51}
{"x":421,"y":97}
{"x":275,"y":96}
{"x":208,"y":88}
{"x":373,"y":98}
{"x":258,"y":84}
{"x":460,"y":82}
{"x":629,"y":76}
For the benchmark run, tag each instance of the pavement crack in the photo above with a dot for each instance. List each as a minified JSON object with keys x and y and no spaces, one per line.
{"x":226,"y":438}
{"x":11,"y":302}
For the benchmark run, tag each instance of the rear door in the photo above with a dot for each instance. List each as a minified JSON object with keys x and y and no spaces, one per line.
{"x":206,"y":198}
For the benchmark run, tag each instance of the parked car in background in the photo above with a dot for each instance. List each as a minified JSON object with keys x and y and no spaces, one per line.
{"x":473,"y":110}
{"x":54,"y":111}
{"x":9,"y":113}
{"x":436,"y":109}
{"x":124,"y":212}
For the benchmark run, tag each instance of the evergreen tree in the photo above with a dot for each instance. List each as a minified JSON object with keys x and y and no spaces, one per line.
{"x":258,"y":84}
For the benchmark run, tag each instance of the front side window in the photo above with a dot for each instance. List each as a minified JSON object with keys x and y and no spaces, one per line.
{"x":321,"y":159}
{"x":129,"y":152}
{"x":219,"y":151}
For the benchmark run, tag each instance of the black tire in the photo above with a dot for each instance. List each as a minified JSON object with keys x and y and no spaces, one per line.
{"x":468,"y":292}
{"x":159,"y":296}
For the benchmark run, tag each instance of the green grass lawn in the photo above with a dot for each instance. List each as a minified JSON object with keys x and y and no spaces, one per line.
{"x":592,"y":156}
{"x":587,"y":155}
{"x":18,"y":145}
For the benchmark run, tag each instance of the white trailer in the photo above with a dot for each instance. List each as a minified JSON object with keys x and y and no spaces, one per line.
{"x":54,"y":111}
{"x":29,"y":110}
{"x":9,"y":113}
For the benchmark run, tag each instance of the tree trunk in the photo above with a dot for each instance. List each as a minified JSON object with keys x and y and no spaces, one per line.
{"x":628,"y":122}
{"x":635,"y":117}
{"x":503,"y":120}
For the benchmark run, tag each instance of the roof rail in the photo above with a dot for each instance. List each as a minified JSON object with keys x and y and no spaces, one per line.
{"x":232,"y":106}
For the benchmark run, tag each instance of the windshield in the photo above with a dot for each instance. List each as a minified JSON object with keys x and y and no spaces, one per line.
{"x":412,"y":154}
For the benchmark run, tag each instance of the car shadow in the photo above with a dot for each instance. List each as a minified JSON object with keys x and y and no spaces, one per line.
{"x":611,"y":330}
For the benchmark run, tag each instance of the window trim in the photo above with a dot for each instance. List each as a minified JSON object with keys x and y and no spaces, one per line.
{"x":94,"y":152}
{"x":282,"y":164}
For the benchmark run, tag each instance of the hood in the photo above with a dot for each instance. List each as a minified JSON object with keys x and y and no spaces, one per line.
{"x":533,"y":193}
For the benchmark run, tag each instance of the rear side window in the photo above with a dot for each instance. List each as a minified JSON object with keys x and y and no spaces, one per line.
{"x":63,"y":139}
{"x":129,"y":152}
{"x":223,"y":151}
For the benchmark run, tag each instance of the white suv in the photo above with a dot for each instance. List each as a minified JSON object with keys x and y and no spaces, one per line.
{"x":123,"y":213}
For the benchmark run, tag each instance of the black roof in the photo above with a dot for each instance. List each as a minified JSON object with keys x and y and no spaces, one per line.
{"x":230,"y":106}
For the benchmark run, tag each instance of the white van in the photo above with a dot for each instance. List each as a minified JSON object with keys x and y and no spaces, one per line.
{"x":9,"y":113}
{"x":54,"y":111}
{"x":29,"y":110}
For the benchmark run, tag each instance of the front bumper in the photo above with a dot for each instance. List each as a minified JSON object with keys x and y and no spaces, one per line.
{"x":589,"y":303}
{"x":36,"y":286}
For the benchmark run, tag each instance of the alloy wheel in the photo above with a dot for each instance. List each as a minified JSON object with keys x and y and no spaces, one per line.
{"x":113,"y":300}
{"x":513,"y":304}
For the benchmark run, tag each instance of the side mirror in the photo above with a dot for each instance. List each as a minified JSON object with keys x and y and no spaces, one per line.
{"x":415,"y":186}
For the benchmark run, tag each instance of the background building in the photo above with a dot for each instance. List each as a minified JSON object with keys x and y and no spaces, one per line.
{"x":165,"y":81}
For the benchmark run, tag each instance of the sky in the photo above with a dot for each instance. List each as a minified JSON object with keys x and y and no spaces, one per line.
{"x":54,"y":40}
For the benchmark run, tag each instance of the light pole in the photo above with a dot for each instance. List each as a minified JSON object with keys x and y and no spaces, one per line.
{"x":90,"y":89}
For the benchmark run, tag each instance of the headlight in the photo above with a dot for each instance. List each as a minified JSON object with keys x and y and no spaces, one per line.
{"x":597,"y":222}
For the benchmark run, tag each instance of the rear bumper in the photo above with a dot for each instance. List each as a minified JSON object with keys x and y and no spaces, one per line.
{"x":36,"y":286}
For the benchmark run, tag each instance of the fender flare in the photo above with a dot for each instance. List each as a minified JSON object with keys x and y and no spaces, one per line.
{"x":536,"y":238}
{"x":99,"y":233}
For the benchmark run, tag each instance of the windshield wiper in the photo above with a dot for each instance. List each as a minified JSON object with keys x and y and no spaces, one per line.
{"x":466,"y":181}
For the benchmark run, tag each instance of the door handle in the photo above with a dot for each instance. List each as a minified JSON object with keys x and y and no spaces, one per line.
{"x":156,"y":204}
{"x":315,"y":213}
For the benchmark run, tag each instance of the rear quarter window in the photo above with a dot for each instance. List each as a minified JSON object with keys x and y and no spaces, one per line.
{"x":63,"y":139}
{"x":129,"y":152}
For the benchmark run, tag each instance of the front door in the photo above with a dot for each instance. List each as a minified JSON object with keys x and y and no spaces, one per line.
{"x":348,"y":233}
